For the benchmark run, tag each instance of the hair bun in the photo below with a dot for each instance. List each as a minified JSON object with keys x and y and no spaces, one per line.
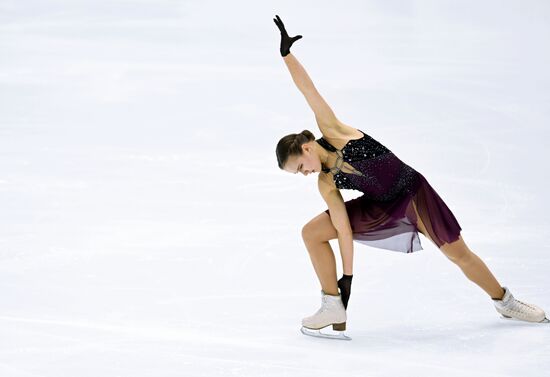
{"x":308,"y":134}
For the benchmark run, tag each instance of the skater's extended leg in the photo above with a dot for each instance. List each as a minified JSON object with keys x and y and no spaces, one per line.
{"x":316,"y":234}
{"x":470,"y":264}
{"x":473,"y":267}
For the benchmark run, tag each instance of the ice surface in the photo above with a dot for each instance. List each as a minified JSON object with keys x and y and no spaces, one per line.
{"x":146,"y":230}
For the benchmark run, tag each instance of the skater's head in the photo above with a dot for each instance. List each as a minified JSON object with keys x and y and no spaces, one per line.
{"x":299,"y":153}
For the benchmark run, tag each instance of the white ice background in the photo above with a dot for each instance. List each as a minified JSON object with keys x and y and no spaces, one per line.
{"x":146,"y":229}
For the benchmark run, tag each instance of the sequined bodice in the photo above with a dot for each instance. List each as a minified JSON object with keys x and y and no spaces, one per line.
{"x":366,"y":165}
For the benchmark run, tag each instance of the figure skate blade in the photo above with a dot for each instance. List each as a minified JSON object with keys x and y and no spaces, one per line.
{"x":545,"y":320}
{"x":318,"y":334}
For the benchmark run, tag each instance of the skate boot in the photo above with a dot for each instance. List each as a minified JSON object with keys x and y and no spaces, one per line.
{"x":332,"y":312}
{"x":510,"y":308}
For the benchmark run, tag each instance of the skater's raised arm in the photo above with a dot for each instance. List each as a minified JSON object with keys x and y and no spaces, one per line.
{"x":323,"y":113}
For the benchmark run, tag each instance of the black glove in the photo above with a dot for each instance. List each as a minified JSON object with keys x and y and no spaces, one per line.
{"x":345,"y":288}
{"x":286,"y":41}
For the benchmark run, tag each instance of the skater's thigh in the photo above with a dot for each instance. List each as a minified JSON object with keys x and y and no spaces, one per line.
{"x":455,"y":251}
{"x":420,"y":224}
{"x":320,"y":229}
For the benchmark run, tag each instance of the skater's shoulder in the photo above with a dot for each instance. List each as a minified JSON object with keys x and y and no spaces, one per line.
{"x":341,"y":135}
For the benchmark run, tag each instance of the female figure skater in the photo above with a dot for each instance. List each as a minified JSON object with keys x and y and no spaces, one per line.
{"x":398,"y":202}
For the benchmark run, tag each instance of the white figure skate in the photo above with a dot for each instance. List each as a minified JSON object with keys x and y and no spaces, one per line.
{"x":332,"y":312}
{"x":510,"y":308}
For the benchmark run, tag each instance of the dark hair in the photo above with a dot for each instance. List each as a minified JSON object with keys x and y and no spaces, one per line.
{"x":291,"y":145}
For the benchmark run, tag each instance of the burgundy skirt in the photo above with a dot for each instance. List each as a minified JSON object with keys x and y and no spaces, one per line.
{"x":392,"y":225}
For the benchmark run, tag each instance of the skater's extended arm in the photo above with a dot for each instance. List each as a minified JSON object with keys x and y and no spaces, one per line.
{"x":323,"y":113}
{"x":340,"y":220}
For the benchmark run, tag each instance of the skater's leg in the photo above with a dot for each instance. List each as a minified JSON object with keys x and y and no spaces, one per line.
{"x":470,"y":264}
{"x":316,"y":234}
{"x":473,"y":267}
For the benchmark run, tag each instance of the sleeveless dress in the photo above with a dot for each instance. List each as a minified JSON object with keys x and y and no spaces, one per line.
{"x":384,"y":216}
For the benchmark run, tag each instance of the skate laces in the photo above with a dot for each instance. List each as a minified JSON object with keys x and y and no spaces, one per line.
{"x":324,"y":305}
{"x":518,"y":306}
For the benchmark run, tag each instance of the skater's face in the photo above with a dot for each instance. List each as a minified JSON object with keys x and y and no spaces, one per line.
{"x":308,"y":162}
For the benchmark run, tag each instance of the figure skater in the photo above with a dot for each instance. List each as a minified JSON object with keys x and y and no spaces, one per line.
{"x":397,"y":203}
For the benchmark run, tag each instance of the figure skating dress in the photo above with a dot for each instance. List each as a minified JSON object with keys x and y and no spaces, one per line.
{"x":384,"y":216}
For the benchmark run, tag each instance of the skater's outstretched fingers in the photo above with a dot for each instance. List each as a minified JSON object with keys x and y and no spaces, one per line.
{"x":286,"y":41}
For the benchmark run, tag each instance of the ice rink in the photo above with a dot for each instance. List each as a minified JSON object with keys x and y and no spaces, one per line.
{"x":146,"y":229}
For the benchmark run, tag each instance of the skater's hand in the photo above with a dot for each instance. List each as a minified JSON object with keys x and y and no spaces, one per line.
{"x":286,"y":41}
{"x":345,"y":288}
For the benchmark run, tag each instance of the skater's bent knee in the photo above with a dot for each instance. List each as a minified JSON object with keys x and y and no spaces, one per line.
{"x":319,"y":229}
{"x":308,"y":232}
